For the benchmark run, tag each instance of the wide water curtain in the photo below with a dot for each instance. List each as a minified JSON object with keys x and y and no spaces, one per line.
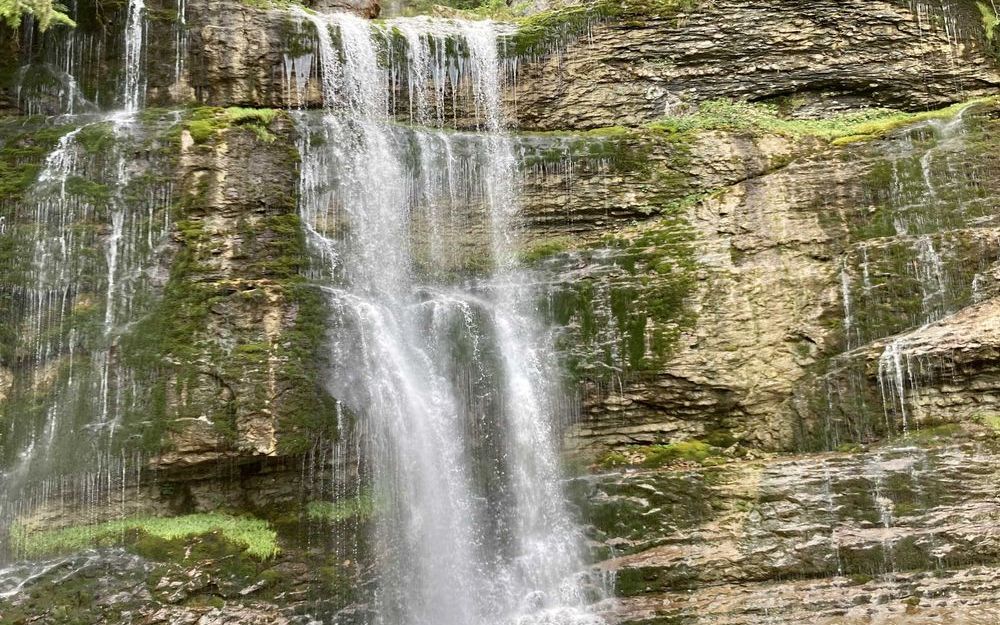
{"x":436,"y":348}
{"x":84,"y":239}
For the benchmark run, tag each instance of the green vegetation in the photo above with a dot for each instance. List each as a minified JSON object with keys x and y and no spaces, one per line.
{"x":990,"y":420}
{"x":847,"y":127}
{"x":655,"y":456}
{"x":545,"y":248}
{"x":494,"y":9}
{"x":254,"y":535}
{"x":45,"y":12}
{"x":627,"y":318}
{"x":859,"y":579}
{"x":178,"y":348}
{"x":360,"y":507}
{"x":990,"y":20}
{"x":96,"y":138}
{"x":94,"y":192}
{"x":22,"y":157}
{"x":206,"y":122}
{"x":934,"y":434}
{"x":270,"y":4}
{"x":256,"y":120}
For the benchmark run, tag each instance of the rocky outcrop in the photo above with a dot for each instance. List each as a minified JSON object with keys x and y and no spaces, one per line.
{"x":815,"y":57}
{"x":942,"y":372}
{"x":882,"y":224}
{"x":811,"y":57}
{"x":241,"y":330}
{"x":238,"y":55}
{"x":887,"y":531}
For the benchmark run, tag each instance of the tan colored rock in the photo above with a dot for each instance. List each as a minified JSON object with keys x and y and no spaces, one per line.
{"x":829,"y":54}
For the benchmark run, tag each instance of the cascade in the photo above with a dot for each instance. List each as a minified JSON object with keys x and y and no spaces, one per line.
{"x":180,"y":40}
{"x":72,"y":307}
{"x":451,"y":382}
{"x":831,"y":511}
{"x":895,"y":372}
{"x":134,"y":77}
{"x":884,"y":505}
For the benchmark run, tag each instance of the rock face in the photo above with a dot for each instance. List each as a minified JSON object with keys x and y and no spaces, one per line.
{"x":245,"y":370}
{"x":860,"y":221}
{"x":813,"y":57}
{"x":886,"y":534}
{"x":803,"y":314}
{"x":821,"y":56}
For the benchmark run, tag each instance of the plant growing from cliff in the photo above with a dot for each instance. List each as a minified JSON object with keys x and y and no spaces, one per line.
{"x":990,"y":19}
{"x":256,"y":120}
{"x":45,"y":12}
{"x":655,"y":456}
{"x":206,"y":122}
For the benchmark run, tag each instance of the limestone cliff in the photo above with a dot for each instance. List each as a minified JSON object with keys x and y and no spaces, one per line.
{"x":775,"y":301}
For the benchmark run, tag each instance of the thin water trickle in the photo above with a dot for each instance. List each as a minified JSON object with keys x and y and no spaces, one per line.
{"x":893,"y":372}
{"x":845,"y":292}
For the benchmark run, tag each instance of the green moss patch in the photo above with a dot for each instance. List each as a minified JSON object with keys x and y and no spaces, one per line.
{"x":934,"y":434}
{"x":256,"y":120}
{"x":546,"y":248}
{"x":190,"y":372}
{"x":992,"y":421}
{"x":96,"y":138}
{"x":22,"y":155}
{"x":360,"y":507}
{"x":655,"y":456}
{"x":736,"y":116}
{"x":205,"y":123}
{"x":254,"y":536}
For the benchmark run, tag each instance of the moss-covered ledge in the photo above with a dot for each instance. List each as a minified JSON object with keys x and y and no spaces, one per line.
{"x":253,"y":536}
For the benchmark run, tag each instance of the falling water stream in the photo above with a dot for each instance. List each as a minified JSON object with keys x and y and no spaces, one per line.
{"x":450,"y":376}
{"x":92,"y":235}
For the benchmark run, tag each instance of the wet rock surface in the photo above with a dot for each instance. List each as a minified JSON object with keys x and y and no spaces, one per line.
{"x":889,"y":533}
{"x":752,"y":289}
{"x":775,"y":254}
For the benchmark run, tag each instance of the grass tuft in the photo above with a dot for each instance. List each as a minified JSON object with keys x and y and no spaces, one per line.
{"x":255,"y":536}
{"x":990,"y":20}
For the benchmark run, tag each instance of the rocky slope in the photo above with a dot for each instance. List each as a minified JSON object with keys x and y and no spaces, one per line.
{"x":731,"y":289}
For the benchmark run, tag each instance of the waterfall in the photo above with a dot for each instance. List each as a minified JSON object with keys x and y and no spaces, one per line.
{"x":72,"y":390}
{"x":893,"y":373}
{"x":134,"y":78}
{"x":434,"y":338}
{"x":90,"y":236}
